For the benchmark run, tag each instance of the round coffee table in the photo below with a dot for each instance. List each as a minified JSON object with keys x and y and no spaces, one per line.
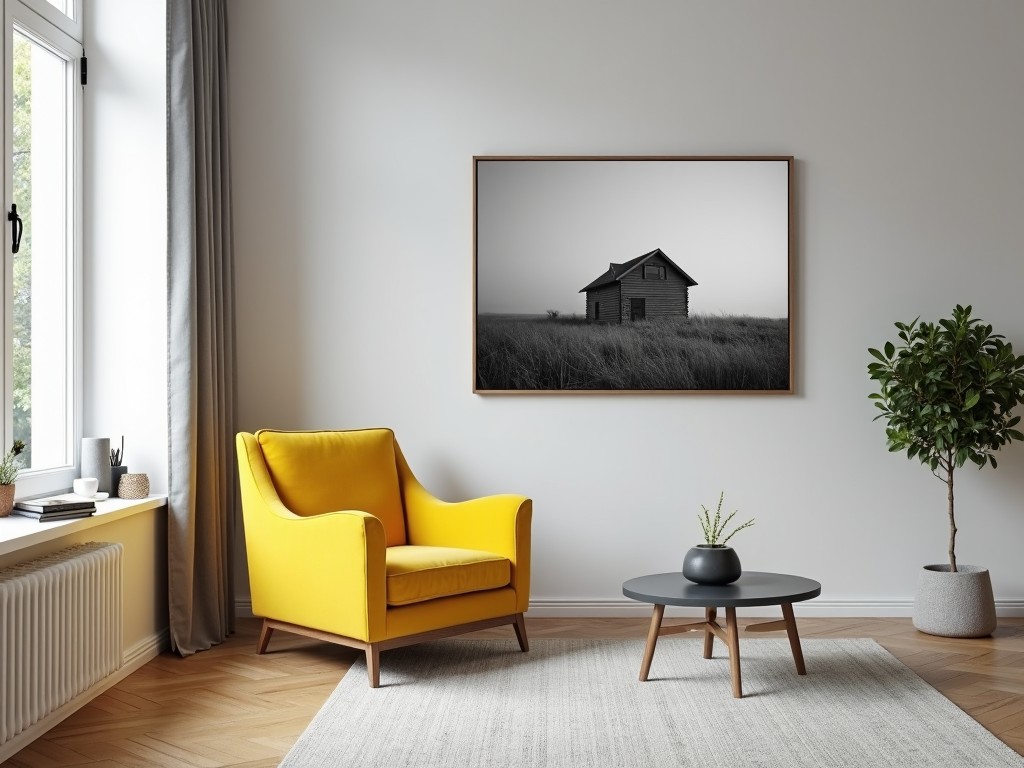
{"x":753,"y":588}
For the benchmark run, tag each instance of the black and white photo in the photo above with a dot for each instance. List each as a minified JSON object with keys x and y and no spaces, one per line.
{"x":633,"y":274}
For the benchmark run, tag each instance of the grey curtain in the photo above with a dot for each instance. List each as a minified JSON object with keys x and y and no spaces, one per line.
{"x":200,"y":328}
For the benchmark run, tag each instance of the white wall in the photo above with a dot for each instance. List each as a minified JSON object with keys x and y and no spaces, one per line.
{"x":353,"y":128}
{"x":125,"y":375}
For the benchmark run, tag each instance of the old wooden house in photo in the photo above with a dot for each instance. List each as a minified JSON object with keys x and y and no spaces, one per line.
{"x":648,"y":287}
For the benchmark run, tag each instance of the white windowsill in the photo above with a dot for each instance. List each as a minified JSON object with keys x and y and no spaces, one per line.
{"x":17,"y":532}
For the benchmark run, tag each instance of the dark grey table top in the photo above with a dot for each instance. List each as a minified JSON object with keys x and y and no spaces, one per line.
{"x":752,"y":588}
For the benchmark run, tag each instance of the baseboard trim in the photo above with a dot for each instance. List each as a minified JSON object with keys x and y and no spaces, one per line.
{"x":135,"y":657}
{"x":564,"y":608}
{"x":147,"y":649}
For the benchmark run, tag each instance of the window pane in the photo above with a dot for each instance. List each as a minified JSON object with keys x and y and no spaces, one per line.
{"x":67,"y":7}
{"x":40,"y":300}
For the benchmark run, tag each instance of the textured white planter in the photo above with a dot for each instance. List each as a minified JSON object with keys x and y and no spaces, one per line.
{"x":957,"y":604}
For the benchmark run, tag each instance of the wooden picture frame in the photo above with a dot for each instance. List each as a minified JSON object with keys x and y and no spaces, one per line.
{"x":633,"y":274}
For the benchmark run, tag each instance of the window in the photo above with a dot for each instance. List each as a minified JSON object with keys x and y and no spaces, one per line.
{"x":65,"y":15}
{"x":597,"y":310}
{"x":64,"y":6}
{"x":654,"y":272}
{"x":42,"y":304}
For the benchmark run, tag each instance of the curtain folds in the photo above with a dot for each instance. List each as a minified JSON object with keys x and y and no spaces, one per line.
{"x":200,"y":317}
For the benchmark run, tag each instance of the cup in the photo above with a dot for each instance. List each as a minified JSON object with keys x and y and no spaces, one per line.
{"x":86,"y":486}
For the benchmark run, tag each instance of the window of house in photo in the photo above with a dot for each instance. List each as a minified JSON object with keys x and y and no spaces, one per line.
{"x":597,"y":310}
{"x":42,"y":191}
{"x":654,"y":272}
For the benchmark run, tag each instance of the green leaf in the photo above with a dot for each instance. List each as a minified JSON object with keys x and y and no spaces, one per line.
{"x":961,"y":457}
{"x":948,"y":391}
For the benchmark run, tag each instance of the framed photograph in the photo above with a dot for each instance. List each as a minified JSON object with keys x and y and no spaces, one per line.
{"x":633,"y":275}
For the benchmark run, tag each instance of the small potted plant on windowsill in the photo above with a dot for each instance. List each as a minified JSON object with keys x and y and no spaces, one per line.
{"x":713,"y":562}
{"x":10,"y":465}
{"x":947,"y":392}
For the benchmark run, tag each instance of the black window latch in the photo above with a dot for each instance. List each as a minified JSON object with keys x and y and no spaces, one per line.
{"x":17,"y":226}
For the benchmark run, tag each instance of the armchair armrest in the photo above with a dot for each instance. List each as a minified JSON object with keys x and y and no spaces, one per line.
{"x":498,"y":524}
{"x":324,"y":571}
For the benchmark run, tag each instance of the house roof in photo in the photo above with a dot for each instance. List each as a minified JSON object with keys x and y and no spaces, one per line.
{"x":618,"y":271}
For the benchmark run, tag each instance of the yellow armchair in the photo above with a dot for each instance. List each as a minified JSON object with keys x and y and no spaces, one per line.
{"x":345,"y":545}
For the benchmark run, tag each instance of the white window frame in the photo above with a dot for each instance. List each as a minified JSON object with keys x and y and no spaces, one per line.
{"x":44,"y":23}
{"x":66,"y":24}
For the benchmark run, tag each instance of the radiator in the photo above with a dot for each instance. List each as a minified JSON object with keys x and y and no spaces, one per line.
{"x":60,"y":631}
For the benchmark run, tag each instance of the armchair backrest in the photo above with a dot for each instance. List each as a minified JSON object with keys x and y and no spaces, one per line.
{"x":326,"y":471}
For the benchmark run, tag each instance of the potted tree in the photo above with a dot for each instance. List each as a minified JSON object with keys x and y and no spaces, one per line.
{"x":947,"y":393}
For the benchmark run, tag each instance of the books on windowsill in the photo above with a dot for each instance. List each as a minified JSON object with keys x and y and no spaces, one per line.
{"x":52,"y":517}
{"x":55,"y":508}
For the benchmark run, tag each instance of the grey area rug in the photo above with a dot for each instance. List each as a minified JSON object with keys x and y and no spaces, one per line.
{"x":579,"y":703}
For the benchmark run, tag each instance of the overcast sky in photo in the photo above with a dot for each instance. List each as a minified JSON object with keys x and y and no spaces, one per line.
{"x":547,"y":228}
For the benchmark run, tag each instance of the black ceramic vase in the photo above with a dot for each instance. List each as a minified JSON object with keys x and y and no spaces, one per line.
{"x":115,"y":478}
{"x":712,"y":564}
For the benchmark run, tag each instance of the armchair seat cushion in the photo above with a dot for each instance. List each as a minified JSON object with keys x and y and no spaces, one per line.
{"x":417,"y":573}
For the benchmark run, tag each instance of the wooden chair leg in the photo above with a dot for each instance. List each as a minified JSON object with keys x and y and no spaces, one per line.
{"x":710,"y":614}
{"x":652,"y":641}
{"x":373,"y":664}
{"x":520,"y":626}
{"x":794,"y":638}
{"x":264,"y":641}
{"x":733,"y":635}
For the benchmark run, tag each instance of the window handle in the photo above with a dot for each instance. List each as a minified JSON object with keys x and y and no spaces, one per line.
{"x":17,"y":227}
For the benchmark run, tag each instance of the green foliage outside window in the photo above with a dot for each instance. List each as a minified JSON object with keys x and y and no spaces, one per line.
{"x":22,"y":299}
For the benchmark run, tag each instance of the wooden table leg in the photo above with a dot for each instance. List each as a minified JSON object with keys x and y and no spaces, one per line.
{"x":710,"y":614}
{"x":794,"y":638}
{"x":733,"y":637}
{"x":652,"y":640}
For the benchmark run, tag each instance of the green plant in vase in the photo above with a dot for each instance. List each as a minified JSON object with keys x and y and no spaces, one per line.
{"x":714,"y":528}
{"x":713,"y":562}
{"x":10,"y":466}
{"x":947,"y":392}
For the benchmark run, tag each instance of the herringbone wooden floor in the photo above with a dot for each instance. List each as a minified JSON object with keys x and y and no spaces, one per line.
{"x":230,"y":707}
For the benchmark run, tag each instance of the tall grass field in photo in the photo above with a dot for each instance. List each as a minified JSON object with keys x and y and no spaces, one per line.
{"x":702,"y":352}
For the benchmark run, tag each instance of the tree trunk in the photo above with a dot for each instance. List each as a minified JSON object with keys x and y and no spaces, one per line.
{"x":952,"y":520}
